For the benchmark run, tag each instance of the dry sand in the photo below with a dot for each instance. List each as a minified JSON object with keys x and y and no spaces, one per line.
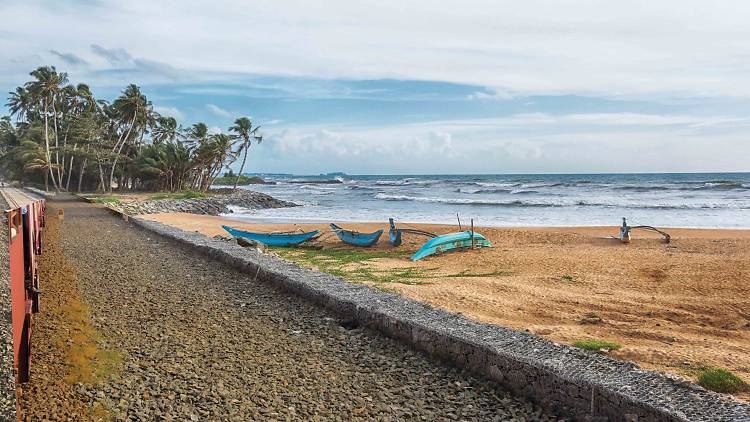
{"x":673,"y":307}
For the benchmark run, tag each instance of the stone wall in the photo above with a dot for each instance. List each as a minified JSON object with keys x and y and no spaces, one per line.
{"x":7,"y":367}
{"x":581,"y":384}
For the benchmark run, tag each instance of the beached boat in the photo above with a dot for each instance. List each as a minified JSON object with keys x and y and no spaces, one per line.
{"x":356,"y":238}
{"x":450,"y":242}
{"x":394,"y":234}
{"x":274,"y":239}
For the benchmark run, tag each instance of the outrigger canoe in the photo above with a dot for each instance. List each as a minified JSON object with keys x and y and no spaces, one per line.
{"x":356,"y":238}
{"x":274,"y":239}
{"x":450,"y":242}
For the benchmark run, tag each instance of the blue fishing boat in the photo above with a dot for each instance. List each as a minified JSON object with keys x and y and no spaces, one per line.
{"x":394,"y":233}
{"x":450,"y":242}
{"x":274,"y":239}
{"x":356,"y":238}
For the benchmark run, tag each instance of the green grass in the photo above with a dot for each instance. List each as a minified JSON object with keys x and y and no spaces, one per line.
{"x":186,"y":194}
{"x":351,"y":264}
{"x":105,"y":200}
{"x":466,"y":273}
{"x":567,"y":277}
{"x":596,"y":345}
{"x":721,"y":381}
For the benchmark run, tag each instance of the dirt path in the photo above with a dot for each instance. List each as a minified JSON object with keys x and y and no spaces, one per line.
{"x":199,"y":341}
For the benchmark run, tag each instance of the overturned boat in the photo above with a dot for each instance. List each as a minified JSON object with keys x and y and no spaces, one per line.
{"x":450,"y":242}
{"x":274,"y":239}
{"x":356,"y":238}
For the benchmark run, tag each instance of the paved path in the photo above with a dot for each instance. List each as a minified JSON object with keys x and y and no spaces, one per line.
{"x":201,"y":341}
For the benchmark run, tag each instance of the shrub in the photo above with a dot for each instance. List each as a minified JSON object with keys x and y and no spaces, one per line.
{"x":596,"y":345}
{"x":721,"y":381}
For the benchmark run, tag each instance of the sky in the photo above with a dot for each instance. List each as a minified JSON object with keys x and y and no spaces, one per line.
{"x":394,"y":87}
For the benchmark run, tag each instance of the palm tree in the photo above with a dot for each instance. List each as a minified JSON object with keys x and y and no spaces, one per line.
{"x":165,"y":129}
{"x":243,"y":129}
{"x":129,"y":107}
{"x":44,"y":91}
{"x":213,"y":155}
{"x":34,"y":159}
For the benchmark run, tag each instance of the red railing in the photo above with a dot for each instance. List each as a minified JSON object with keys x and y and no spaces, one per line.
{"x":24,"y":244}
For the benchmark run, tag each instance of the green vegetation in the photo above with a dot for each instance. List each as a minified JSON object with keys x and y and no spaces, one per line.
{"x":105,"y":200}
{"x":61,"y":134}
{"x":186,"y":194}
{"x":596,"y":345}
{"x":229,"y":179}
{"x":353,"y":265}
{"x":567,"y":277}
{"x":721,"y":381}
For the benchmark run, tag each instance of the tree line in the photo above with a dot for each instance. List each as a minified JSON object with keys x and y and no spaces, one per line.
{"x":60,"y":135}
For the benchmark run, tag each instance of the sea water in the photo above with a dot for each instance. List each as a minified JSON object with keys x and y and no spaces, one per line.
{"x":709,"y":200}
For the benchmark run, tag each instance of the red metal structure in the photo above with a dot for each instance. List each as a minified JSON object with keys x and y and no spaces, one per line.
{"x":25,"y":223}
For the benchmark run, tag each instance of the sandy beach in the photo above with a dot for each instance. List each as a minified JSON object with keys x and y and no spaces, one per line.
{"x":674,"y":307}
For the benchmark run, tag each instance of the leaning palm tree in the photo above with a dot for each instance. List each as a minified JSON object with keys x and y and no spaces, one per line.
{"x":214,"y":155}
{"x":165,"y":129}
{"x":44,"y":92}
{"x":243,"y":129}
{"x":129,"y":107}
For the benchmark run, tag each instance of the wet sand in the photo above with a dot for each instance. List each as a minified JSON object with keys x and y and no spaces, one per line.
{"x":674,"y":307}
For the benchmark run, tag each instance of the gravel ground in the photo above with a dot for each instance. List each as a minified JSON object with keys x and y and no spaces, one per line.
{"x":7,"y":373}
{"x":201,"y":341}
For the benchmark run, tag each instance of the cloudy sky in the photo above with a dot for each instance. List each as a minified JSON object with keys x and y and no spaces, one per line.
{"x":421,"y":86}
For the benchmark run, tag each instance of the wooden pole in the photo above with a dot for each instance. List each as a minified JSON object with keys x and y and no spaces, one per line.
{"x":459,"y":223}
{"x":472,"y":233}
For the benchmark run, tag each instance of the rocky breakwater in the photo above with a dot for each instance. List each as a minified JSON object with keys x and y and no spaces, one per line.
{"x":218,"y":202}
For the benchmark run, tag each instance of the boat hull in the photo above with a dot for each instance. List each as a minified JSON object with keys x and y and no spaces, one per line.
{"x":273,"y":239}
{"x":356,"y":238}
{"x":450,"y":242}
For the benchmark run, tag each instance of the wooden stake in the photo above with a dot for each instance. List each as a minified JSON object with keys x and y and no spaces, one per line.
{"x":459,"y":223}
{"x":472,"y":233}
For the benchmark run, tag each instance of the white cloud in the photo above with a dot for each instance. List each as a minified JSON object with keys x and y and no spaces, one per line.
{"x":214,"y":130}
{"x":169,"y":111}
{"x":218,"y":111}
{"x":659,"y":48}
{"x":524,"y":143}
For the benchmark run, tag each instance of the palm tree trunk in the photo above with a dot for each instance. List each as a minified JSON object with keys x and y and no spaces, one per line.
{"x":125,"y":139}
{"x":70,"y":169}
{"x":242,"y":167}
{"x":57,"y":146}
{"x":80,"y":173}
{"x":46,"y":145}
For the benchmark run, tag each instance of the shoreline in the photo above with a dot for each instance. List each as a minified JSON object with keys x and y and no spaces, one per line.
{"x":673,"y":307}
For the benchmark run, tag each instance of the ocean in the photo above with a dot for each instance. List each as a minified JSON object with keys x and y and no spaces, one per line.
{"x":708,"y":200}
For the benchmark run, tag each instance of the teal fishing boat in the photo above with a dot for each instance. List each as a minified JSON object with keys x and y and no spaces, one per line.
{"x":450,"y":242}
{"x":356,"y":238}
{"x":274,"y":239}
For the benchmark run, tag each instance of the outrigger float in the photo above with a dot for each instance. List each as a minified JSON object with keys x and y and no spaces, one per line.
{"x":625,"y":232}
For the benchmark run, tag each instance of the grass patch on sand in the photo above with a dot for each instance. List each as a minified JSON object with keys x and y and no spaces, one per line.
{"x":597,"y":345}
{"x":186,"y":194}
{"x":352,"y":265}
{"x":87,"y":362}
{"x":105,"y":200}
{"x":567,"y":277}
{"x":721,"y":381}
